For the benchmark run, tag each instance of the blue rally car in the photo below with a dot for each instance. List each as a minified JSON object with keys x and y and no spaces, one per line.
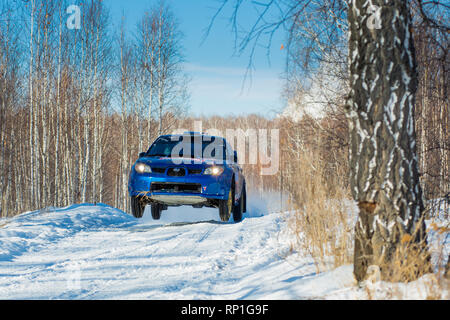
{"x":188,"y":169}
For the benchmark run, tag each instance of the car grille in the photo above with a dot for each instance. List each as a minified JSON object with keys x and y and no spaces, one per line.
{"x":176,"y":172}
{"x":158,"y":170}
{"x":176,"y":187}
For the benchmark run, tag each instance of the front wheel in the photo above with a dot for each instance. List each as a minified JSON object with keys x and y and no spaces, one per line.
{"x":156,"y":210}
{"x":137,"y":206}
{"x":240,"y":207}
{"x":225,"y":207}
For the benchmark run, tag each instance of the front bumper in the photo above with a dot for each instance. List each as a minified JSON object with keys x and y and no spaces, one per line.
{"x":178,"y":199}
{"x":209,"y":187}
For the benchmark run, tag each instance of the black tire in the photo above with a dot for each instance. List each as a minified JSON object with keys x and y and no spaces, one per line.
{"x":239,"y":208}
{"x":225,"y":207}
{"x":156,"y":210}
{"x":137,"y":207}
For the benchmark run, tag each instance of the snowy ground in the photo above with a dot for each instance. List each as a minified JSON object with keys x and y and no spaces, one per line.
{"x":98,"y":252}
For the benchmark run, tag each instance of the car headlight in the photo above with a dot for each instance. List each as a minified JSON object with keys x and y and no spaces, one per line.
{"x":214,"y":171}
{"x":142,"y":168}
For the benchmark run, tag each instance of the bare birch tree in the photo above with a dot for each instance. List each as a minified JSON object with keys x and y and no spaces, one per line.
{"x":125,"y":79}
{"x":170,"y":78}
{"x":146,"y":48}
{"x":384,"y":176}
{"x":10,"y":85}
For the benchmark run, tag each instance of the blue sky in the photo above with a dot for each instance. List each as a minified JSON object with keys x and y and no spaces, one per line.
{"x":217,"y":74}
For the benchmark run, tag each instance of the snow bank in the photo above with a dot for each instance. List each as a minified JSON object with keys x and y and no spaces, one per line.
{"x":32,"y":230}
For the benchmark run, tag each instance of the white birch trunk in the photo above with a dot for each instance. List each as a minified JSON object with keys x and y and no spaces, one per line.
{"x":380,"y":108}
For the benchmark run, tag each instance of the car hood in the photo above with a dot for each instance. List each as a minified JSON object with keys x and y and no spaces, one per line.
{"x":166,"y":161}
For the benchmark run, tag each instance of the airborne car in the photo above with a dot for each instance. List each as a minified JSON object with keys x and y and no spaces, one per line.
{"x":188,"y":169}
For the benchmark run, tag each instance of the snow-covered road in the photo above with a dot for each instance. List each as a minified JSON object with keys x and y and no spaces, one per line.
{"x":98,"y":252}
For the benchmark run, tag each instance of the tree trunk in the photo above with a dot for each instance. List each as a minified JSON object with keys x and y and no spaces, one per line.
{"x":32,"y":152}
{"x":57,"y":165}
{"x":380,"y":109}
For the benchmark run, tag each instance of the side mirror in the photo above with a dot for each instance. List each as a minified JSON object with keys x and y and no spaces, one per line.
{"x":235,"y":157}
{"x":142,"y":154}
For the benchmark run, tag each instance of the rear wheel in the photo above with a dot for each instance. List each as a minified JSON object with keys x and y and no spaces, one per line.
{"x":225,"y":207}
{"x":137,"y":206}
{"x":156,"y":210}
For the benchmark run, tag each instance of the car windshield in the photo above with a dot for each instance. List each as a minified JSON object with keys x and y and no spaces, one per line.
{"x":188,"y":147}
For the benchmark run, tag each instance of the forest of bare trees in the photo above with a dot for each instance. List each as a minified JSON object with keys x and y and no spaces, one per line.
{"x":78,"y":104}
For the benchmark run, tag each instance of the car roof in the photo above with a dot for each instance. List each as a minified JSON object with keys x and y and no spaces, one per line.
{"x":192,"y":134}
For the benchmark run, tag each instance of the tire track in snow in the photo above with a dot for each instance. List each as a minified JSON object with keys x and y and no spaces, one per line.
{"x":181,"y":240}
{"x":226,"y":260}
{"x":251,"y":251}
{"x":206,"y":234}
